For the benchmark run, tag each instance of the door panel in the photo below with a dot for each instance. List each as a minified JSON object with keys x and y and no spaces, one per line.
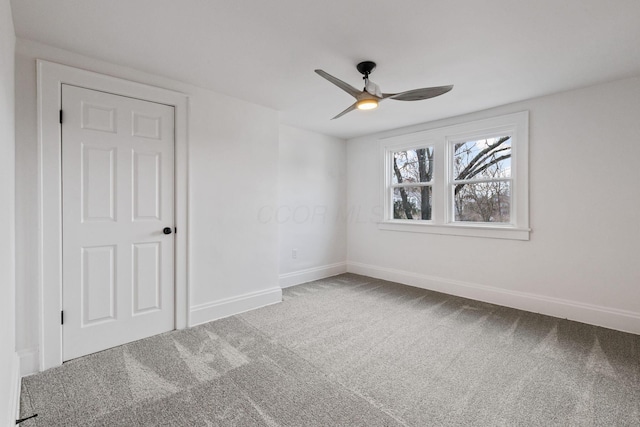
{"x":147,"y":169}
{"x":146,"y":277}
{"x":117,"y":186}
{"x":98,"y":183}
{"x":98,"y":285}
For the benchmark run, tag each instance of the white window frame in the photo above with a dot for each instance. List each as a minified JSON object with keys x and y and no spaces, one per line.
{"x":443,"y":214}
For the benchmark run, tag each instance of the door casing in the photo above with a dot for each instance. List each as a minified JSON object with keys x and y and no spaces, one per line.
{"x":50,"y":78}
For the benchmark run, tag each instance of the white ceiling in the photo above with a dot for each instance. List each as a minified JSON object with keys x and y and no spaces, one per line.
{"x":493,"y":51}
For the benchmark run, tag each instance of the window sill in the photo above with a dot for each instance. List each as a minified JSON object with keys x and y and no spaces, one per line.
{"x":487,"y":231}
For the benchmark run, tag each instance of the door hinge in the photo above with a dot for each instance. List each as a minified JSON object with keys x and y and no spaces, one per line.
{"x":62,"y":317}
{"x":60,"y":116}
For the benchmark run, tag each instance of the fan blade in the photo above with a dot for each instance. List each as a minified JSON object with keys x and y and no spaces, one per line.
{"x":351,"y":108}
{"x":418,"y":94}
{"x":342,"y":85}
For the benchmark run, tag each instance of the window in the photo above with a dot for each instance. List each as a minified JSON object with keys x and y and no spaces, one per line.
{"x":411,"y":183}
{"x":467,"y":179}
{"x":481,"y":180}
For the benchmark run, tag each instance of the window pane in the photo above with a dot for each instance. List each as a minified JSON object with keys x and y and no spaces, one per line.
{"x":412,"y":165}
{"x":412,"y":203}
{"x":483,"y":202}
{"x":481,"y":159}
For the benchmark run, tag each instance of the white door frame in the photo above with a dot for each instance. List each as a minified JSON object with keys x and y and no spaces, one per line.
{"x":50,"y":78}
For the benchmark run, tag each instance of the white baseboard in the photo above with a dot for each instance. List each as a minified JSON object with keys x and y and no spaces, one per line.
{"x":214,"y":310}
{"x":621,"y":320}
{"x":14,"y":398}
{"x":29,"y":363}
{"x":311,"y":274}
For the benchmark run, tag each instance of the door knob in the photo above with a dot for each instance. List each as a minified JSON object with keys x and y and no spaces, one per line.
{"x":167,"y":230}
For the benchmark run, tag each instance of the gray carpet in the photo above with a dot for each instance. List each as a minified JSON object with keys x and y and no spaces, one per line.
{"x":354,"y":351}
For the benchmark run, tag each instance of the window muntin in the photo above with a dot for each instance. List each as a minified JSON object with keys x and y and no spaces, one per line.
{"x":481,"y":179}
{"x":411,"y":181}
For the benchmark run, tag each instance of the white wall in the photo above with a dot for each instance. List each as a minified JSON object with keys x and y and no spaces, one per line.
{"x":233,"y":172}
{"x":582,"y":259}
{"x":8,"y":360}
{"x":312,"y":206}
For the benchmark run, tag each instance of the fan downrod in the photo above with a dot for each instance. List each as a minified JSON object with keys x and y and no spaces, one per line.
{"x":366,"y":67}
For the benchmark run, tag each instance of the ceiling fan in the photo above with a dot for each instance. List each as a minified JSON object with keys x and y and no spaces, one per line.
{"x":371,"y":95}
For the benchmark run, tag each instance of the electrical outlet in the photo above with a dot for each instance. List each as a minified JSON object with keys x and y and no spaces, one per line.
{"x":294,"y":253}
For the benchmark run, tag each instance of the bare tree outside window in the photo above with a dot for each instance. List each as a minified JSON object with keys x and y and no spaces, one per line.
{"x":481,"y":181}
{"x":411,"y":183}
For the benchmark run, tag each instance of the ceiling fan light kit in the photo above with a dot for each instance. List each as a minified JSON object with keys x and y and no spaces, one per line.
{"x":369,"y":97}
{"x":367,"y":104}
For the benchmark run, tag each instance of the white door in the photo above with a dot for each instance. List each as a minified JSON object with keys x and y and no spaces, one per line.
{"x":117,"y":187}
